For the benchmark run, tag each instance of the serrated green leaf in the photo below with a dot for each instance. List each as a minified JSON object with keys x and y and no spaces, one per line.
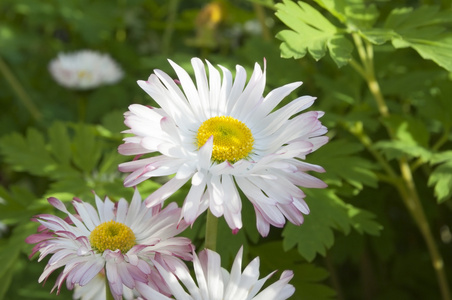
{"x":10,"y":254}
{"x":377,"y":36}
{"x":342,"y":163}
{"x":328,"y":213}
{"x":363,"y":221}
{"x":307,"y":276}
{"x":335,"y":7}
{"x":70,"y":186}
{"x":441,"y":177}
{"x":425,"y":30}
{"x":28,"y":153}
{"x":60,"y":142}
{"x":315,"y":235}
{"x":86,"y":149}
{"x":110,"y":161}
{"x":412,"y":138}
{"x":356,"y":14}
{"x":409,"y":130}
{"x":311,"y":32}
{"x":397,"y":149}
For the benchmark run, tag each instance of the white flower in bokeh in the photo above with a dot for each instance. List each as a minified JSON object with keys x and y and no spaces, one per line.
{"x":215,"y":283}
{"x":116,"y":239}
{"x":85,"y":69}
{"x":224,"y":136}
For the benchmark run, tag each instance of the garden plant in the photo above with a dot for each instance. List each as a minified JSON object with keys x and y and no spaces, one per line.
{"x":226,"y":150}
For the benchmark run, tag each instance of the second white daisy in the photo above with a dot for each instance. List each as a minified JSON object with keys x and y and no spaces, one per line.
{"x":224,"y":136}
{"x":117,"y":240}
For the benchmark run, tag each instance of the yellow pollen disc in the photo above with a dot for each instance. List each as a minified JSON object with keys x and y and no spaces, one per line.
{"x":232,"y":139}
{"x":84,"y":74}
{"x":112,"y":235}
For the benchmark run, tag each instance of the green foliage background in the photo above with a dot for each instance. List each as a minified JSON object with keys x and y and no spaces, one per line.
{"x":363,"y":238}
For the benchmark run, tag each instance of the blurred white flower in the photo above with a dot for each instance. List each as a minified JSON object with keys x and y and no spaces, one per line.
{"x":85,"y":69}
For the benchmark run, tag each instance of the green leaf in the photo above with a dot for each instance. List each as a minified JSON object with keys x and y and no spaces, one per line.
{"x":86,"y":149}
{"x":27,"y":153}
{"x":328,"y":212}
{"x":342,"y":163}
{"x":412,"y":138}
{"x":60,"y":143}
{"x":10,"y":255}
{"x":377,"y":36}
{"x":439,"y":108}
{"x":396,"y":149}
{"x":307,"y":276}
{"x":311,"y":32}
{"x":363,"y":221}
{"x":315,"y":235}
{"x":353,"y":13}
{"x":425,"y":30}
{"x":441,"y":177}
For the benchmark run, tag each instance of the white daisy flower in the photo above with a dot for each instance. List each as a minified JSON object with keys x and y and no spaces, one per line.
{"x":120,"y":240}
{"x":225,"y":136}
{"x":85,"y":69}
{"x":215,"y":283}
{"x":95,"y":290}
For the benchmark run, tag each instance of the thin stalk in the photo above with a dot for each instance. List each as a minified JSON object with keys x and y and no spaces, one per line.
{"x":406,"y":186}
{"x":359,"y":133}
{"x":108,"y":293}
{"x":439,"y":143}
{"x":442,"y":140}
{"x":334,"y":278}
{"x":172,"y":14}
{"x":358,"y":68}
{"x":260,"y":13}
{"x":211,"y":231}
{"x":82,"y":104}
{"x":366,"y":56}
{"x":414,"y":204}
{"x":20,"y":91}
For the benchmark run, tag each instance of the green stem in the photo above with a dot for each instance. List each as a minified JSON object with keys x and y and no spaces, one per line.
{"x":172,"y":13}
{"x":405,"y":186}
{"x":334,"y":278}
{"x":260,"y":13}
{"x":20,"y":91}
{"x":358,"y":132}
{"x":108,"y":293}
{"x":358,"y":68}
{"x":211,"y":231}
{"x":414,"y":205}
{"x":366,"y":56}
{"x":82,"y":103}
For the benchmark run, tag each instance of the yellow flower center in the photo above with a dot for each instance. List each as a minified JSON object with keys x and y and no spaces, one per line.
{"x":84,"y":74}
{"x":232,"y":139}
{"x":112,"y":235}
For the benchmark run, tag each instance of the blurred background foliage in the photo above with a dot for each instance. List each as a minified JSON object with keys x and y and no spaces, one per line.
{"x":359,"y":242}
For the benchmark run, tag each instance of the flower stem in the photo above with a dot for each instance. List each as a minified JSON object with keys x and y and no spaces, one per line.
{"x":260,"y":13}
{"x":414,"y":205}
{"x":211,"y":231}
{"x":108,"y":293}
{"x":366,"y":55}
{"x":405,"y":186}
{"x":82,"y":103}
{"x":173,"y":6}
{"x":20,"y":91}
